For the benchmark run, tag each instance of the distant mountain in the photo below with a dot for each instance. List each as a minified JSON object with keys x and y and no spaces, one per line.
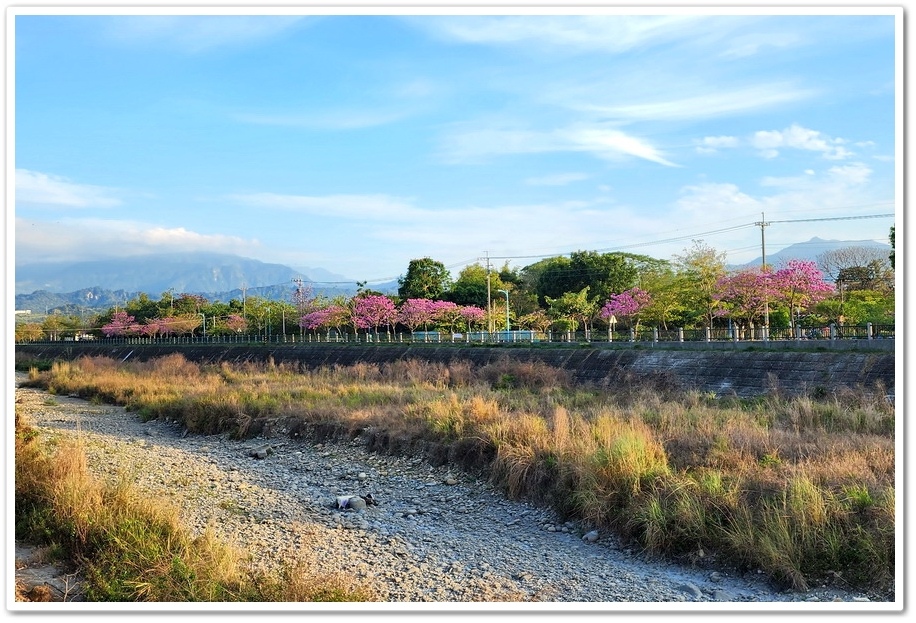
{"x":155,"y":274}
{"x":811,"y":249}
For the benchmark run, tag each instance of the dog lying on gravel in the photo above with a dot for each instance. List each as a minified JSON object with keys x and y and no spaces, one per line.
{"x":354,"y":502}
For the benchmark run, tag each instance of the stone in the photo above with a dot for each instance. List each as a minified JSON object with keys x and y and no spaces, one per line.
{"x":590,"y":537}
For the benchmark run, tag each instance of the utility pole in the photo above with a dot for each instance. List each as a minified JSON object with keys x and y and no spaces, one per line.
{"x":489,"y":304}
{"x":763,"y":269}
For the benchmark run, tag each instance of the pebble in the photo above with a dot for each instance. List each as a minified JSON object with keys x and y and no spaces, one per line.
{"x":417,"y":544}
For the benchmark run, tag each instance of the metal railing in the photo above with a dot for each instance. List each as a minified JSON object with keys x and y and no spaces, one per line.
{"x":865,"y":332}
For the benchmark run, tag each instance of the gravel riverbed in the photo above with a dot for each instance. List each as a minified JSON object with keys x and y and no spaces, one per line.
{"x":435,"y":535}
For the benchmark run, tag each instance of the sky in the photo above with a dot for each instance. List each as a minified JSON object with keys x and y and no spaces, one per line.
{"x":356,"y":143}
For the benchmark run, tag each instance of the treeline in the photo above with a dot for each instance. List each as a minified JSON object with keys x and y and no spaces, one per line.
{"x":585,"y":291}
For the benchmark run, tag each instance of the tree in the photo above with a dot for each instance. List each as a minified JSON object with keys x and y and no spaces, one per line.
{"x":330,"y":317}
{"x":892,"y":256}
{"x":571,"y":309}
{"x":121,"y":324}
{"x":425,"y":279}
{"x":29,"y":332}
{"x":799,"y":285}
{"x":537,"y":320}
{"x":470,"y":288}
{"x":666,"y":294}
{"x":628,"y":304}
{"x":864,"y":268}
{"x":552,"y":277}
{"x":372,"y":311}
{"x":744,"y":295}
{"x":415,"y":312}
{"x":699,"y":270}
{"x":474,"y":317}
{"x":236,"y":323}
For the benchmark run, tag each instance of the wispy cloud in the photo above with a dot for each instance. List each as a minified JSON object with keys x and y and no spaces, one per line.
{"x":703,"y":105}
{"x":751,"y":44}
{"x":197,"y":33}
{"x":33,"y":187}
{"x":614,"y":144}
{"x":769,"y":142}
{"x":467,"y":143}
{"x":93,"y":238}
{"x":609,"y":33}
{"x":559,"y":179}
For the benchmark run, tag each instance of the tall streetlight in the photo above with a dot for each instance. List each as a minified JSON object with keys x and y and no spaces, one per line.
{"x":204,"y":324}
{"x":506,"y":292}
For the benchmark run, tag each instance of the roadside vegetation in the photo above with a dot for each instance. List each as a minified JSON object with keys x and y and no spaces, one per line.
{"x":130,"y":548}
{"x":802,"y":488}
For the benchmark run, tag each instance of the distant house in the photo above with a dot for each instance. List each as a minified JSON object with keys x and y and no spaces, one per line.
{"x":23,"y":312}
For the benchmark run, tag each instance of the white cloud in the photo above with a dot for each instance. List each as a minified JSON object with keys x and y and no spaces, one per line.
{"x":33,"y":187}
{"x":614,"y":143}
{"x":85,"y":239}
{"x":704,"y":104}
{"x":712,"y":144}
{"x":769,"y":142}
{"x":607,"y":33}
{"x":610,"y":144}
{"x":748,"y":45}
{"x":559,"y":179}
{"x":855,"y":173}
{"x":197,"y":33}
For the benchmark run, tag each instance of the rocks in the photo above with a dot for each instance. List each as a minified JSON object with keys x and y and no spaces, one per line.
{"x":434,"y":535}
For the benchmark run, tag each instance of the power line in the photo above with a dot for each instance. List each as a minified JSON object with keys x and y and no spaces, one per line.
{"x":834,"y":218}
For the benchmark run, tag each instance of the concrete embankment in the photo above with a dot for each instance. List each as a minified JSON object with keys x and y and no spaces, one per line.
{"x":742,"y":372}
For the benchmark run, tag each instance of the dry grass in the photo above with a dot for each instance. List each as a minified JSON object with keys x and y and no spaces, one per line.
{"x":130,"y":547}
{"x":796,"y":486}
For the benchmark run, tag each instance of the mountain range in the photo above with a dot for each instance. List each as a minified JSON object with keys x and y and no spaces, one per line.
{"x":71,"y":287}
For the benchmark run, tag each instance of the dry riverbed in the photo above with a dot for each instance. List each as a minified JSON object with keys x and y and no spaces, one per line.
{"x":436,"y":535}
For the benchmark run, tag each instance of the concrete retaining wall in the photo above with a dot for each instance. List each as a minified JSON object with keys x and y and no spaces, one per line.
{"x":744,"y":372}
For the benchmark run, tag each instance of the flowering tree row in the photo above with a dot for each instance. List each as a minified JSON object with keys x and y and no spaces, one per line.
{"x":742,"y":296}
{"x":123,"y":324}
{"x":377,"y":311}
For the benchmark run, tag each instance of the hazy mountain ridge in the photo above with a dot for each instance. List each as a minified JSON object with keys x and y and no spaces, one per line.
{"x":810,"y":250}
{"x":154,"y":274}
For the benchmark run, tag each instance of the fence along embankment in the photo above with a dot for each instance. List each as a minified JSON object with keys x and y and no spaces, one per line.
{"x":744,"y":372}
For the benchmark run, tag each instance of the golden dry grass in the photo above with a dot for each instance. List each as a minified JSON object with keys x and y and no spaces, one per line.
{"x":762,"y":482}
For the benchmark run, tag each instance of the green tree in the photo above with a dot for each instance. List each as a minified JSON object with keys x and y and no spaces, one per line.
{"x":572,"y":309}
{"x":892,"y":257}
{"x":425,"y":279}
{"x":470,"y":288}
{"x":666,"y":294}
{"x":698,"y":270}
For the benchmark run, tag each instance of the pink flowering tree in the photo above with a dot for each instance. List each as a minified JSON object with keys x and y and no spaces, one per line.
{"x":743,"y":296}
{"x":236,"y":323}
{"x":799,"y":285}
{"x":474,"y":317}
{"x":372,"y":311}
{"x":121,"y":324}
{"x":414,"y":313}
{"x":629,"y":304}
{"x":333,"y":316}
{"x":151,"y":328}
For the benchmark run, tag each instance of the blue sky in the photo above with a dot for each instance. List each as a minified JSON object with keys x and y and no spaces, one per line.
{"x":356,"y":143}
